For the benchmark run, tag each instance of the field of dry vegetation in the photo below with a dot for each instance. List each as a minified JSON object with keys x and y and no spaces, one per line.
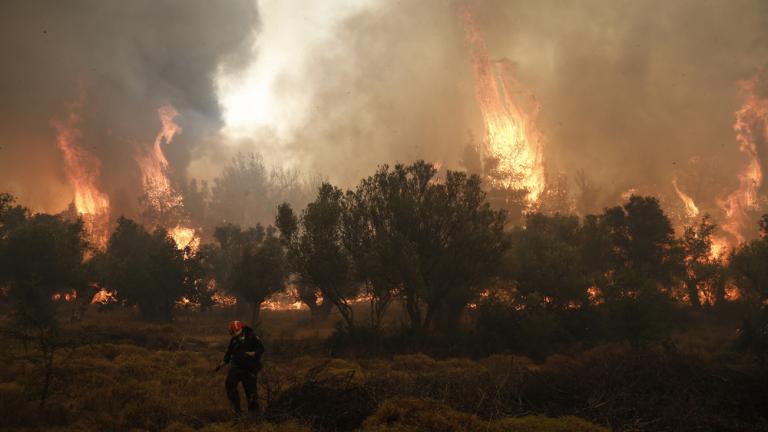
{"x":111,"y":371}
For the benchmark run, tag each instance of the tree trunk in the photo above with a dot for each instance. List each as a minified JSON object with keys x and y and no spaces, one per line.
{"x":719,"y":286}
{"x":414,"y":313}
{"x":693,"y":292}
{"x":255,"y":312}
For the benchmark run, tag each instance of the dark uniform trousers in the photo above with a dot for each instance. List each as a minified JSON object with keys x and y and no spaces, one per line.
{"x":235,"y":376}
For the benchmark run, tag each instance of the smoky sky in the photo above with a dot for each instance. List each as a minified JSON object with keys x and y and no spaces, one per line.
{"x":631,"y":92}
{"x":127,"y":58}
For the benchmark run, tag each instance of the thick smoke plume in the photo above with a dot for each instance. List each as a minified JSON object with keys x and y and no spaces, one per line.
{"x":633,"y":93}
{"x":127,"y":59}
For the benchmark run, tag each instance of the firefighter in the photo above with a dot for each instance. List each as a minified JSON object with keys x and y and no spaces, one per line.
{"x":244,"y":357}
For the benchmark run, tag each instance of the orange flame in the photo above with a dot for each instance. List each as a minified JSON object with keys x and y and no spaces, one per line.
{"x":185,"y":237}
{"x":751,"y":125}
{"x":83,"y":170}
{"x":690,"y":206}
{"x":719,"y":247}
{"x":154,"y":170}
{"x":511,"y":135}
{"x":154,"y":165}
{"x":104,"y":296}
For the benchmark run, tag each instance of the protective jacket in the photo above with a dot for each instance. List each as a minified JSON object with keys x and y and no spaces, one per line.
{"x":245,"y":351}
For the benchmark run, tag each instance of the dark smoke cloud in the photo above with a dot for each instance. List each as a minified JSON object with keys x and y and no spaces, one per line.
{"x":129,"y":58}
{"x":633,"y":92}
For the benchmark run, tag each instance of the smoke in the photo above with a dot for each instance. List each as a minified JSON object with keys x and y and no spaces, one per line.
{"x":632,"y":92}
{"x":127,"y":58}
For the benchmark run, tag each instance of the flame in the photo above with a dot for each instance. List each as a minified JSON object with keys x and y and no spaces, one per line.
{"x":161,"y":195}
{"x":104,"y":296}
{"x":511,"y":135}
{"x":83,"y":170}
{"x":751,"y":125}
{"x":595,"y":295}
{"x":283,"y":301}
{"x":732,"y":292}
{"x":185,"y":237}
{"x":690,"y":206}
{"x":223,"y":300}
{"x":154,"y":166}
{"x":627,"y":194}
{"x":719,"y":247}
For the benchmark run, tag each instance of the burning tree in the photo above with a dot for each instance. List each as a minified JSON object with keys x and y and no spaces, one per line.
{"x":146,"y":269}
{"x":512,"y":143}
{"x":702,"y":269}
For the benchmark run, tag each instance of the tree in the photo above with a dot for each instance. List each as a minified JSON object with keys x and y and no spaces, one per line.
{"x":700,"y":267}
{"x":545,"y":258}
{"x":146,"y":269}
{"x":439,"y":242}
{"x":240,"y":195}
{"x":644,"y":254}
{"x":288,"y":225}
{"x":317,"y":253}
{"x":366,"y":250}
{"x":199,"y":273}
{"x":260,"y":272}
{"x":642,"y":262}
{"x":749,"y":263}
{"x":40,"y":255}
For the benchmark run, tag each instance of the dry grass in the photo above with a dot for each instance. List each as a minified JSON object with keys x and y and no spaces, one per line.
{"x":123,"y":374}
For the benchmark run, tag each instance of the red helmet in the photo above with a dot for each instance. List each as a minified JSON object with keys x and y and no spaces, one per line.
{"x":235,"y":327}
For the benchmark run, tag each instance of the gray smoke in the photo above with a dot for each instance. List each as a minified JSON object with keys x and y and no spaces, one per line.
{"x":129,"y":58}
{"x":632,"y":92}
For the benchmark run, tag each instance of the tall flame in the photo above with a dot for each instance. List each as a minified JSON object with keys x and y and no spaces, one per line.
{"x":751,"y":125}
{"x":154,"y":165}
{"x":83,"y":170}
{"x":160,"y":194}
{"x":511,"y":135}
{"x":691,"y":210}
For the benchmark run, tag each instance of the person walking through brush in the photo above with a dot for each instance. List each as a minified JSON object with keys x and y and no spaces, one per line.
{"x":244,"y":355}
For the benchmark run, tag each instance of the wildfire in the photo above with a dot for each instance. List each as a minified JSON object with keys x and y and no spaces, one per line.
{"x":719,"y":247}
{"x":732,"y":292}
{"x":283,"y":301}
{"x":185,"y":237}
{"x":154,"y":166}
{"x":751,"y":125}
{"x":66,"y":296}
{"x":104,"y":296}
{"x":159,"y":193}
{"x":690,"y":206}
{"x":83,"y":170}
{"x":223,"y":300}
{"x":511,"y":135}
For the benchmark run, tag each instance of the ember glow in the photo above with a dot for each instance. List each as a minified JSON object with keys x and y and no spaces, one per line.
{"x":83,"y":170}
{"x":751,"y":127}
{"x":67,"y":296}
{"x":511,"y":136}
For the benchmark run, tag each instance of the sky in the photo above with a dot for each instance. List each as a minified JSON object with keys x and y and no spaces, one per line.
{"x":633,"y":93}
